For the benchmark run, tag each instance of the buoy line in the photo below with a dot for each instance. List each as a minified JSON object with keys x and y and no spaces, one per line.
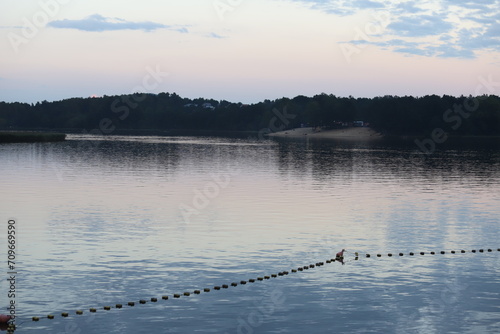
{"x":489,"y":250}
{"x":357,"y":255}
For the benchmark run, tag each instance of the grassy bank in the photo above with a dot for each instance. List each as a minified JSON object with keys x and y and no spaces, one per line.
{"x":30,"y":137}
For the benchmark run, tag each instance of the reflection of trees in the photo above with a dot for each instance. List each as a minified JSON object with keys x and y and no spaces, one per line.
{"x":328,"y":160}
{"x":323,"y":160}
{"x":294,"y":158}
{"x":114,"y":155}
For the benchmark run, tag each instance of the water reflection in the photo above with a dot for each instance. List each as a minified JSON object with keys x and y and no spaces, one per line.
{"x":101,"y":223}
{"x":381,"y":158}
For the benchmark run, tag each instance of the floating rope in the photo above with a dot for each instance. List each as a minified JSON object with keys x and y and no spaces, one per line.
{"x":12,"y":328}
{"x":489,"y":250}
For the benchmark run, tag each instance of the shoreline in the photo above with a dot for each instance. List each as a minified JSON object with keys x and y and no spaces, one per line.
{"x":352,"y":133}
{"x":10,"y":137}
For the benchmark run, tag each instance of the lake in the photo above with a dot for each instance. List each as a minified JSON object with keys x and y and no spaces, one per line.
{"x":102,"y":221}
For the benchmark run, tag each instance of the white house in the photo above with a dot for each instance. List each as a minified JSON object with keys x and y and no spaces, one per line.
{"x":207,"y":106}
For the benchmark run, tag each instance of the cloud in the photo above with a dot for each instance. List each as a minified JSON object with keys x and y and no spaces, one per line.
{"x":493,"y":30}
{"x":214,"y":35}
{"x":452,"y":52}
{"x":410,"y":7}
{"x":98,"y":23}
{"x":336,"y":7}
{"x":482,"y":5}
{"x":430,"y":28}
{"x":413,"y":51}
{"x":422,"y":25}
{"x":341,"y":7}
{"x":490,"y":39}
{"x":367,"y":4}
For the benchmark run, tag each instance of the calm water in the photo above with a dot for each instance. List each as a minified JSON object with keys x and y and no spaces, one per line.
{"x":102,"y":222}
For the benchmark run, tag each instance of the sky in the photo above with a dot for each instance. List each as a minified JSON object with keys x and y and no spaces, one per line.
{"x":247,"y":51}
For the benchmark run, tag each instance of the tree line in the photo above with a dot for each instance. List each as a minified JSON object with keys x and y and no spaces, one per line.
{"x":392,"y":115}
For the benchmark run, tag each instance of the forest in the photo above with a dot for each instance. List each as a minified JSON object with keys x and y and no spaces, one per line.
{"x":391,"y":115}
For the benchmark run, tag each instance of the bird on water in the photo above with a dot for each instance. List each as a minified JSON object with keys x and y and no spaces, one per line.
{"x":4,"y":318}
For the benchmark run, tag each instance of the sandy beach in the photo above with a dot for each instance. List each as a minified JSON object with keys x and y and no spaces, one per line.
{"x":359,"y":133}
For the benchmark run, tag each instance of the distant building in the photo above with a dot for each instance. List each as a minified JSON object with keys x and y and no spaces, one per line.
{"x":207,"y":106}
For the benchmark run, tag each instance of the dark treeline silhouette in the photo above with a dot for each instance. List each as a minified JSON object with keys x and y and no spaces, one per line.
{"x":391,"y":115}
